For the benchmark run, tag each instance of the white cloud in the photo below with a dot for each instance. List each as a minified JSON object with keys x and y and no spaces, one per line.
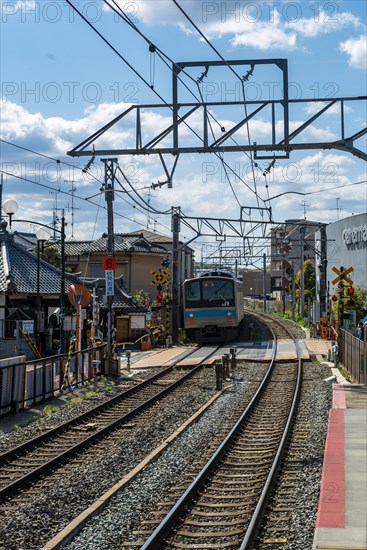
{"x":322,"y":23}
{"x":265,"y":37}
{"x":356,"y":49}
{"x":313,"y":108}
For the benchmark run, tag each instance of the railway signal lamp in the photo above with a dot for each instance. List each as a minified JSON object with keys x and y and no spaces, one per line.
{"x":159,"y":291}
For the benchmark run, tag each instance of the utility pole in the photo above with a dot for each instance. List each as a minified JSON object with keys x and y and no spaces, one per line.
{"x":62,"y":290}
{"x":323,"y":271}
{"x":108,"y":188}
{"x":293,"y":292}
{"x":175,"y":271}
{"x":55,"y":219}
{"x":72,"y":191}
{"x":302,"y":270}
{"x":264,"y":282}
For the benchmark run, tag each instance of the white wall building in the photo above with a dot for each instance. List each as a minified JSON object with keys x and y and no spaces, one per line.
{"x":347,"y":247}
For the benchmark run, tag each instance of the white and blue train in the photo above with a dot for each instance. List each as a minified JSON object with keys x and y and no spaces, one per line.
{"x":212,"y":307}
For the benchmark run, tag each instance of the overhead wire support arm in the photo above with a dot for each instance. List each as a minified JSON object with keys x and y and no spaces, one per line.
{"x":281,"y":149}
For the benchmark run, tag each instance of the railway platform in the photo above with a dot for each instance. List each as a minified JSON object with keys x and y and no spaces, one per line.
{"x":341,"y":522}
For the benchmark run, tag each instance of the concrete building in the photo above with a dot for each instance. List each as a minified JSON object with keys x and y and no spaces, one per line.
{"x":347,"y":247}
{"x":291,"y":243}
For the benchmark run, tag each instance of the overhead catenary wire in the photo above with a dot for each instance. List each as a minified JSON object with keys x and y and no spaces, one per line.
{"x":126,"y":18}
{"x":236,"y":74}
{"x":143,"y":200}
{"x":65,"y":193}
{"x":147,"y":83}
{"x":57,"y":161}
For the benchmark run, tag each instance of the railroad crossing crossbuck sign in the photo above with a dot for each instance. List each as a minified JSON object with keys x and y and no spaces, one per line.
{"x":342,"y":275}
{"x":160,"y":277}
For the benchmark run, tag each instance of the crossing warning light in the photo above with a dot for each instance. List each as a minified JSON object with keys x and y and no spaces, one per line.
{"x":334,"y":298}
{"x":350,"y":291}
{"x":159,"y":295}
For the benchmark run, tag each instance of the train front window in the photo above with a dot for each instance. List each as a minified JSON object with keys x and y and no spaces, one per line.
{"x":218,"y":293}
{"x":193,"y":293}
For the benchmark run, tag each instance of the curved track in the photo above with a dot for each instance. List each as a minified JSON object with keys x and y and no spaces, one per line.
{"x":27,"y":462}
{"x":223,"y":505}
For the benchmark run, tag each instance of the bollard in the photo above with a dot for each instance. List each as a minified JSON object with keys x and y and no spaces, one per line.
{"x":96,"y":370}
{"x":335,"y":354}
{"x":225,"y":363}
{"x":218,"y":375}
{"x":233,"y":352}
{"x":128,"y":357}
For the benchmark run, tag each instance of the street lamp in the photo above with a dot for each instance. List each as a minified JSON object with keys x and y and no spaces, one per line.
{"x":42,"y":236}
{"x":10,"y":208}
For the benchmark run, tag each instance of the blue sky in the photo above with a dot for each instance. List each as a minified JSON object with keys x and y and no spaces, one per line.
{"x":60,"y":82}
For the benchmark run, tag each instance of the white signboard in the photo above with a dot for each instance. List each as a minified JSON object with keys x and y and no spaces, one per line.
{"x":110,"y":280}
{"x":27,"y":326}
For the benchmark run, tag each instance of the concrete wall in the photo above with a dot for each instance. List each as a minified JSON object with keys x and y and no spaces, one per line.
{"x":347,"y":247}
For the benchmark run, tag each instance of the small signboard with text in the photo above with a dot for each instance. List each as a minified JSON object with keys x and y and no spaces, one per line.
{"x":110,"y":282}
{"x":109,"y":263}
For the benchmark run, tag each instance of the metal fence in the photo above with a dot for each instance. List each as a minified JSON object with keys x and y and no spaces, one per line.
{"x":24,"y":383}
{"x":353,"y":355}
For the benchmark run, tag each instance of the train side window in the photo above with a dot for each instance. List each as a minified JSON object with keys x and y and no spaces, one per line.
{"x":193,"y":292}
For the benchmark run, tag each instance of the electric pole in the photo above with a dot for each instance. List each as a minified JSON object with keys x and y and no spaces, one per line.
{"x":108,"y":188}
{"x":175,"y":271}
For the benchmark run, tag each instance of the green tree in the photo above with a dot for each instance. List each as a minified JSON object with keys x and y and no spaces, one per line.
{"x":52,"y":256}
{"x":359,"y":302}
{"x":309,"y":273}
{"x":143,"y":298}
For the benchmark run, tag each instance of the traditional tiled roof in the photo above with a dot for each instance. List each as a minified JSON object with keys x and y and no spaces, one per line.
{"x":18,"y":275}
{"x":122,"y":300}
{"x":125,"y":243}
{"x":18,"y":271}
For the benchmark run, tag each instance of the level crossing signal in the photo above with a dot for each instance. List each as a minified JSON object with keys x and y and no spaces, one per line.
{"x":159,"y":295}
{"x":160,"y":277}
{"x":334,"y":299}
{"x":342,"y":275}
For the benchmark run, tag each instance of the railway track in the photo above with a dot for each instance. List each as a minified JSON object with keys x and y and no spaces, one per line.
{"x":223,"y":505}
{"x":228,"y":491}
{"x":277,"y":327}
{"x":26,"y":463}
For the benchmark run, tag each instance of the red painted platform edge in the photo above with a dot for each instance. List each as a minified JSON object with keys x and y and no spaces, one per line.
{"x":339,"y":399}
{"x":331,"y":510}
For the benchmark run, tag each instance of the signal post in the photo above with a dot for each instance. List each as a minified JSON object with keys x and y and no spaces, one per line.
{"x":343,"y":292}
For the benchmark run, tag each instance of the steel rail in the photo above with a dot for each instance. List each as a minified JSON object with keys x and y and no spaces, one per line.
{"x":88,"y":441}
{"x":34,"y":442}
{"x":252,"y":529}
{"x":173,"y":515}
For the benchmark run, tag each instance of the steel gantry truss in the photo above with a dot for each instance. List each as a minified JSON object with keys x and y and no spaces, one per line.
{"x":221,"y":229}
{"x":209,"y":138}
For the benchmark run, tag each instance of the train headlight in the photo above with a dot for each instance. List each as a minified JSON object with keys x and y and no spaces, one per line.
{"x":191,"y":315}
{"x":229,"y":313}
